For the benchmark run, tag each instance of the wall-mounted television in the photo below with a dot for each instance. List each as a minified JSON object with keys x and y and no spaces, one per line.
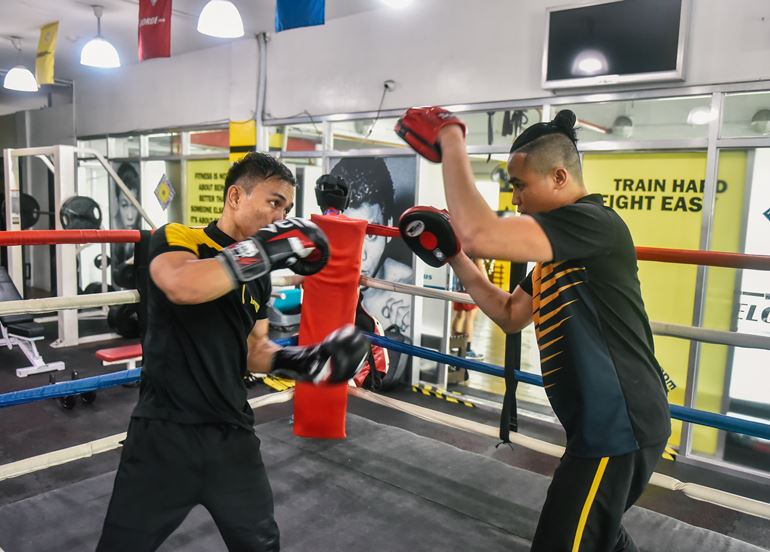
{"x":615,"y":42}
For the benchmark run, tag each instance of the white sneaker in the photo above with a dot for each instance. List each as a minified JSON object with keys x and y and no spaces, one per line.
{"x":473,"y":355}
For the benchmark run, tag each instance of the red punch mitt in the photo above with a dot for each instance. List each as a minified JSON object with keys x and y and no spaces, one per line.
{"x":419,"y":128}
{"x":429,"y":233}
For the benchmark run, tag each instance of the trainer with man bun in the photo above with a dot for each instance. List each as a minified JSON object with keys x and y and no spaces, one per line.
{"x":597,"y":353}
{"x":191,"y":437}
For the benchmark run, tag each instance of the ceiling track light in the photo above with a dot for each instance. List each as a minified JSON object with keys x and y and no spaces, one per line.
{"x":19,"y":77}
{"x":98,"y":52}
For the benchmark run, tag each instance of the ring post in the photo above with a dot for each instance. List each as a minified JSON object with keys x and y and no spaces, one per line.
{"x":329,"y":302}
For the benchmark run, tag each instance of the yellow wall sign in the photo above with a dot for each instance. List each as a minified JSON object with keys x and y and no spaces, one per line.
{"x":205,"y":191}
{"x":660,"y":197}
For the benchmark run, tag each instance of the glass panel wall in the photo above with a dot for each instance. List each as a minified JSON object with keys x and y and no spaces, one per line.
{"x":165,"y":143}
{"x":124,"y":146}
{"x":365,"y":133}
{"x":746,"y":114}
{"x":737,"y":300}
{"x":654,"y":119}
{"x":210,"y":141}
{"x":499,"y":128}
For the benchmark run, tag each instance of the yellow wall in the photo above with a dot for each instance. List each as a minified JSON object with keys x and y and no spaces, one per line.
{"x":205,"y":187}
{"x":659,"y":195}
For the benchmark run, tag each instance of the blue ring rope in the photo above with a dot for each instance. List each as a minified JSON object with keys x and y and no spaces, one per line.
{"x":74,"y":387}
{"x":701,"y":417}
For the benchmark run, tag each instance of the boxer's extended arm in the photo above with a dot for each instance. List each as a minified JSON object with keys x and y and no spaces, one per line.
{"x":511,"y":311}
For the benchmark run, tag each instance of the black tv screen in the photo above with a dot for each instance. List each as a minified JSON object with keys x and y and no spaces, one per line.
{"x":614,"y":42}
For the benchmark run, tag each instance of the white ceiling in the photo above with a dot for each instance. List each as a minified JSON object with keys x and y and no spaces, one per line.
{"x":77,"y":24}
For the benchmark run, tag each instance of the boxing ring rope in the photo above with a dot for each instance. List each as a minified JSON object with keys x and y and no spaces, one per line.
{"x":692,"y":490}
{"x":86,"y":301}
{"x":59,"y":237}
{"x":85,"y":450}
{"x":719,"y":337}
{"x":659,"y":254}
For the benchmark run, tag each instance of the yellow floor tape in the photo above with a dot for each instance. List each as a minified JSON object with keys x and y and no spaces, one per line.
{"x":279,"y":384}
{"x":448,"y":396}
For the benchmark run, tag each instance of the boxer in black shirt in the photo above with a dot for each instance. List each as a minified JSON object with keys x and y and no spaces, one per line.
{"x":191,"y":438}
{"x":597,"y":354}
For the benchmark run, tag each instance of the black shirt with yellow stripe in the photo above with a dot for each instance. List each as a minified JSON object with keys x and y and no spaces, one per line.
{"x":195,"y":355}
{"x":596,"y":348}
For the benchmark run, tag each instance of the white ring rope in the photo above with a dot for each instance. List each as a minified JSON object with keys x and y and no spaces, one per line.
{"x":720,"y":337}
{"x":91,"y":300}
{"x":86,"y":301}
{"x":693,"y":490}
{"x":85,"y":450}
{"x":455,"y":296}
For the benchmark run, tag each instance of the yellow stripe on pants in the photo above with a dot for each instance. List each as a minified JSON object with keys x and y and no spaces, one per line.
{"x":589,"y":502}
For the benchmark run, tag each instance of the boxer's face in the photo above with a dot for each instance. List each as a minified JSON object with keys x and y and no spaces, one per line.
{"x":534,"y":192}
{"x":266,"y":202}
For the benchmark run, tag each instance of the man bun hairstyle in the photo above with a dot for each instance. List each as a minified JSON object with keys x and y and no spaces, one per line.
{"x":563,"y":123}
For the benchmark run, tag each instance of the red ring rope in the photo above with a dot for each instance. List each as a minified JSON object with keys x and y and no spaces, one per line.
{"x":53,"y":237}
{"x":682,"y":256}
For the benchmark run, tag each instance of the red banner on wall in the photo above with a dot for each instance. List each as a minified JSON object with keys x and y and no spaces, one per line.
{"x":154,"y":29}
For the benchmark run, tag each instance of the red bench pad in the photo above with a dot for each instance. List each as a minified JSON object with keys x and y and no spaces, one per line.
{"x":115,"y":354}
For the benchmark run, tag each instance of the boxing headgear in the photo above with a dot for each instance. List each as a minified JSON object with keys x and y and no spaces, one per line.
{"x":332,"y":192}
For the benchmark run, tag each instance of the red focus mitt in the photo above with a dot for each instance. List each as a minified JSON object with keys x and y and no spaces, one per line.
{"x":429,"y":233}
{"x":419,"y":128}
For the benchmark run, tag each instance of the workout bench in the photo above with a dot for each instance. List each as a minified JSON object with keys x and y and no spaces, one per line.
{"x":126,"y":354}
{"x":22,"y":331}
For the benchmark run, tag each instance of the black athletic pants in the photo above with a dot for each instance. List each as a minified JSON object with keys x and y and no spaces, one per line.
{"x":166,"y":469}
{"x":586,"y":501}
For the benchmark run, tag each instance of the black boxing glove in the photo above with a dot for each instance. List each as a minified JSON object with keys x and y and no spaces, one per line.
{"x":293,"y":243}
{"x":336,"y":359}
{"x":419,"y":127}
{"x":297,"y":244}
{"x":429,"y":234}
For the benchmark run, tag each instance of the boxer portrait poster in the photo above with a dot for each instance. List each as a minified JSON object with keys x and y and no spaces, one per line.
{"x":124,"y":216}
{"x":381,"y":188}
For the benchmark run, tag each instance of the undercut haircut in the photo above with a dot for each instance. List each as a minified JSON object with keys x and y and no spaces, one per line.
{"x":256,"y":167}
{"x":550,"y":151}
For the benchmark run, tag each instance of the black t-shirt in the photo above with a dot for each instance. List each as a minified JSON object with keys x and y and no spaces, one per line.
{"x":195,"y":355}
{"x":596,"y":349}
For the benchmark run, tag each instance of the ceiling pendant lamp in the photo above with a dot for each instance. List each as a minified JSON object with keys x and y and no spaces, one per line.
{"x":98,"y":52}
{"x":20,"y":78}
{"x":220,"y":18}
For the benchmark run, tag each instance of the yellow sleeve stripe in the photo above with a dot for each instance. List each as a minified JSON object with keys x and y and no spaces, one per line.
{"x":549,"y":357}
{"x":589,"y":502}
{"x":557,"y":293}
{"x":179,"y":235}
{"x":539,"y":332}
{"x":549,"y":372}
{"x":546,"y":345}
{"x":542,"y":318}
{"x":552,"y":282}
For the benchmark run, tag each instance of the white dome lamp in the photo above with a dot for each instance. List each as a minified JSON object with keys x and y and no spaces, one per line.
{"x":220,"y":18}
{"x":623,"y":126}
{"x":760,"y":122}
{"x":20,"y":78}
{"x":98,"y":52}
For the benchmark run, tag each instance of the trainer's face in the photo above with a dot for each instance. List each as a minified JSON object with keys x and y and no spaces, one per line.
{"x":374,"y":246}
{"x":269,"y":201}
{"x":533,"y":192}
